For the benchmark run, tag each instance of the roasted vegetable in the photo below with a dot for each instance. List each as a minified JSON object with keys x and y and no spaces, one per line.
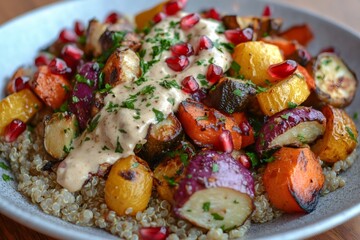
{"x":144,"y":18}
{"x":293,"y":90}
{"x":262,"y":26}
{"x":291,"y":127}
{"x":300,"y":33}
{"x":51,"y":88}
{"x":230,"y":95}
{"x":287,"y":47}
{"x":109,"y":39}
{"x":121,"y":67}
{"x":161,"y":138}
{"x":340,"y":137}
{"x":204,"y":125}
{"x":93,"y":34}
{"x":22,"y":72}
{"x":308,"y":78}
{"x":129,"y":185}
{"x":247,"y":132}
{"x":217,"y":191}
{"x":60,"y":130}
{"x":20,"y":105}
{"x":294,"y":179}
{"x":335,"y":83}
{"x":254,"y":59}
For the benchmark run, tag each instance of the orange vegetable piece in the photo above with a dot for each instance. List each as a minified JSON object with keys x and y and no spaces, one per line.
{"x":242,"y":121}
{"x":293,"y":180}
{"x":287,"y":47}
{"x":300,"y":33}
{"x":21,"y":105}
{"x":204,"y":125}
{"x":51,"y":88}
{"x":309,"y":79}
{"x":144,"y":18}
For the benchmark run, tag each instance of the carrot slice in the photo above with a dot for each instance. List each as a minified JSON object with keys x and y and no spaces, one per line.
{"x":300,"y":33}
{"x":247,"y":131}
{"x":293,"y":180}
{"x":204,"y":125}
{"x":309,"y":79}
{"x":50,"y":88}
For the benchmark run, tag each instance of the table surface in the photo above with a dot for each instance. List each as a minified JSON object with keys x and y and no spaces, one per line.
{"x":9,"y":229}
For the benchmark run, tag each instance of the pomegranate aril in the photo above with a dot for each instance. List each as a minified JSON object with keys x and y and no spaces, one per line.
{"x":189,"y":85}
{"x":237,"y":36}
{"x":174,"y":6}
{"x":189,"y":21}
{"x":153,"y":233}
{"x":267,"y":11}
{"x":226,"y":142}
{"x":13,"y":130}
{"x":112,"y":18}
{"x":68,"y":36}
{"x":182,"y":49}
{"x":159,"y":17}
{"x":177,"y":63}
{"x":21,"y":83}
{"x":213,"y":14}
{"x":245,"y":161}
{"x":79,"y":28}
{"x":58,"y":66}
{"x":214,"y":73}
{"x":282,"y":70}
{"x":71,"y":55}
{"x":42,"y":60}
{"x":204,"y":43}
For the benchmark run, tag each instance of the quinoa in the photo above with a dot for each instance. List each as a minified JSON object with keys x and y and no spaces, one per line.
{"x":27,"y":158}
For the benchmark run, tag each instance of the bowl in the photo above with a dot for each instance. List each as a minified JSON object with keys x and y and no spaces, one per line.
{"x":27,"y":34}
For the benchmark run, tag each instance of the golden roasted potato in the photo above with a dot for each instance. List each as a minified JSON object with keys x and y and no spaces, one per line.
{"x":255,"y":58}
{"x":60,"y":130}
{"x":129,"y":185}
{"x":94,"y":32}
{"x":340,"y":137}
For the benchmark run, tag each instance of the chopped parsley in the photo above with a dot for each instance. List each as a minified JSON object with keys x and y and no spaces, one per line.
{"x":200,"y":62}
{"x":171,"y":100}
{"x":135,"y":165}
{"x":215,"y":167}
{"x":202,"y":118}
{"x":75,"y":99}
{"x":220,"y":29}
{"x":118,"y":148}
{"x":67,"y":149}
{"x":351,"y":134}
{"x":235,"y":67}
{"x":159,"y":115}
{"x":285,"y":116}
{"x":129,"y":102}
{"x":237,"y":92}
{"x":149,"y":89}
{"x":356,"y":116}
{"x":111,"y":107}
{"x":292,"y":105}
{"x":81,"y":79}
{"x":268,"y":160}
{"x":253,"y":159}
{"x":107,"y":89}
{"x":105,"y":148}
{"x":6,"y":177}
{"x":171,"y":181}
{"x":301,"y":138}
{"x":217,"y":217}
{"x":93,"y":124}
{"x":236,"y":201}
{"x":170,"y":84}
{"x":260,"y":89}
{"x":4,"y":166}
{"x":122,"y":131}
{"x":206,"y":206}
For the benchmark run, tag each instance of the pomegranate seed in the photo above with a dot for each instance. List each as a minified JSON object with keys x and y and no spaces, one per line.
{"x":214,"y":73}
{"x":189,"y":85}
{"x":182,"y":49}
{"x":58,"y":66}
{"x":245,"y":161}
{"x":159,"y":17}
{"x":282,"y":70}
{"x":72,"y":55}
{"x":153,"y":233}
{"x":79,"y":28}
{"x":13,"y":130}
{"x":237,"y":36}
{"x":177,"y":63}
{"x":204,"y":43}
{"x":112,"y":18}
{"x":21,"y":83}
{"x":213,"y":13}
{"x":226,"y":142}
{"x":174,"y":6}
{"x":267,"y":11}
{"x":67,"y":36}
{"x":189,"y":21}
{"x":42,"y":60}
{"x":304,"y":56}
{"x":328,"y":49}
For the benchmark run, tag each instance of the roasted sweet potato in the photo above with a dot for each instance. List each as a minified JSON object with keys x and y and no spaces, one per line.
{"x":230,"y":95}
{"x":294,"y":90}
{"x":300,"y":33}
{"x":217,"y":191}
{"x":129,"y":185}
{"x":293,"y":180}
{"x":49,"y":87}
{"x":287,"y":47}
{"x":340,"y":137}
{"x":308,"y":78}
{"x":254,"y":59}
{"x":204,"y":125}
{"x":291,"y":127}
{"x":143,"y":19}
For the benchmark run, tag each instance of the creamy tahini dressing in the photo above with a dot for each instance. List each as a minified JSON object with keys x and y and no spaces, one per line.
{"x":119,"y":129}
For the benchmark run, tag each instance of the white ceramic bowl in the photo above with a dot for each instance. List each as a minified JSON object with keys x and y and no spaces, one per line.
{"x":22,"y":37}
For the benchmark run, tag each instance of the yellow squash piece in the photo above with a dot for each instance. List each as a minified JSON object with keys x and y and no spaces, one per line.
{"x":340,"y":137}
{"x":277,"y":98}
{"x":255,"y":58}
{"x":143,"y":19}
{"x":129,"y":185}
{"x":20,"y":105}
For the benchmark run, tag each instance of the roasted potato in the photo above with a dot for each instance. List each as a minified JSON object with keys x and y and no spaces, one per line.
{"x":93,"y":34}
{"x":129,"y":185}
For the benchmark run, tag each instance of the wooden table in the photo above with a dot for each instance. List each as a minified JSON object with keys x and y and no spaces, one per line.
{"x":11,"y":230}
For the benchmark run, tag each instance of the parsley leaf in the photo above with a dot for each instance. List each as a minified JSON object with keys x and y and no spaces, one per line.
{"x":118,"y":148}
{"x":6,"y":177}
{"x":4,"y":166}
{"x":206,"y":206}
{"x":93,"y":124}
{"x":159,"y":115}
{"x":351,"y":134}
{"x":216,"y":216}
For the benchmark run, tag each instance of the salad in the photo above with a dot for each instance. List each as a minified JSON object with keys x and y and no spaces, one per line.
{"x":184,"y":125}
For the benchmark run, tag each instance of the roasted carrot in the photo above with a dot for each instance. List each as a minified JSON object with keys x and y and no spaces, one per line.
{"x":247,"y":131}
{"x":309,"y":79}
{"x":51,"y":88}
{"x":204,"y":125}
{"x":287,"y":47}
{"x":300,"y":33}
{"x":293,"y":180}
